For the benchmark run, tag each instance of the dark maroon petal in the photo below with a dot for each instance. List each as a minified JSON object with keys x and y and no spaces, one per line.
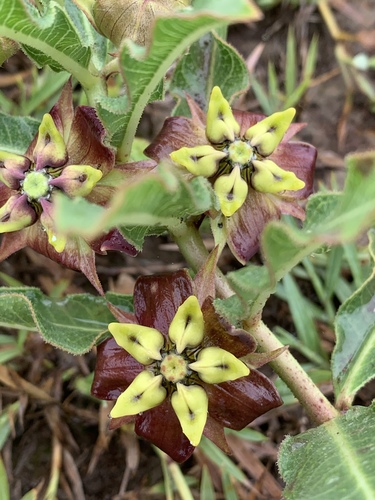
{"x":77,"y":254}
{"x":245,"y":226}
{"x":246,"y":119}
{"x":115,"y":423}
{"x":63,"y":111}
{"x":237,"y":403}
{"x":115,"y":370}
{"x":113,"y":241}
{"x":5,"y":193}
{"x":12,"y":242}
{"x":204,"y":280}
{"x":157,"y":298}
{"x":218,"y":333}
{"x":215,"y":432}
{"x":177,"y":132}
{"x":288,"y":207}
{"x":160,"y":425}
{"x":300,"y":158}
{"x":85,"y":146}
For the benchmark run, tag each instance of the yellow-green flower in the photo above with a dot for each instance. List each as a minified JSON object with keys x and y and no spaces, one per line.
{"x":255,"y":171}
{"x":175,"y":369}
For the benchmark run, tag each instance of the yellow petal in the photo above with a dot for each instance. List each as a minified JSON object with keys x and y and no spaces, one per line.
{"x":221,"y":124}
{"x":215,"y":365}
{"x":231,"y":190}
{"x":270,"y":178}
{"x":50,"y":148}
{"x":267,"y":134}
{"x":144,"y":393}
{"x":187,"y":327}
{"x":190,"y":404}
{"x":201,"y":160}
{"x":77,"y":180}
{"x":141,"y":342}
{"x":58,"y":241}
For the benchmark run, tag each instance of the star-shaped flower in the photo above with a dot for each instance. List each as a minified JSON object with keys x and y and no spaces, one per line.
{"x":67,"y":155}
{"x":176,"y":369}
{"x":256,"y":173}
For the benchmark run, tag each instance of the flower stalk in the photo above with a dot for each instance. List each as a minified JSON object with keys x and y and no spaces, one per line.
{"x":317,"y":406}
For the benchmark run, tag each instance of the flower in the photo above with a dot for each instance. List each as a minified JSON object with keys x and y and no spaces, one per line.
{"x":174,"y":368}
{"x":67,"y":155}
{"x":256,"y":173}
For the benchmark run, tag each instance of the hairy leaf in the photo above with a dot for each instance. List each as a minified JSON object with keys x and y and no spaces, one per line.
{"x":334,"y":460}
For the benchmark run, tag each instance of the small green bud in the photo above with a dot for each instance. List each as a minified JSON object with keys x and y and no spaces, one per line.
{"x":221,"y":124}
{"x":267,"y":134}
{"x":215,"y":365}
{"x":77,"y":180}
{"x":141,"y":342}
{"x":232,"y":191}
{"x":200,"y":160}
{"x":187,"y":327}
{"x":190,"y":404}
{"x":144,"y":393}
{"x":270,"y":178}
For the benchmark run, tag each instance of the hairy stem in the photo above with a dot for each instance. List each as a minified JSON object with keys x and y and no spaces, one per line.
{"x":286,"y":366}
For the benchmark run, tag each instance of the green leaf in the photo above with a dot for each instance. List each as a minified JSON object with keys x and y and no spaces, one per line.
{"x":335,"y":460}
{"x":159,"y":199}
{"x":209,"y":62}
{"x":49,"y":38}
{"x":353,"y":362}
{"x":4,"y":483}
{"x":74,"y":323}
{"x":16,"y":133}
{"x":143,"y":70}
{"x":331,"y":218}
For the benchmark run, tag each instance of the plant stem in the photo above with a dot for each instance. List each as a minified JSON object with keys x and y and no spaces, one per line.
{"x":191,"y":245}
{"x":286,"y":366}
{"x":317,"y":406}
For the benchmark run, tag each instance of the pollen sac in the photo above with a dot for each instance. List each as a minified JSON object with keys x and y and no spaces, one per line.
{"x":215,"y":365}
{"x":201,"y":160}
{"x":77,"y":180}
{"x":144,"y":393}
{"x":270,"y":178}
{"x":16,"y":214}
{"x":221,"y":124}
{"x":50,"y":148}
{"x":187,"y":327}
{"x":231,"y":190}
{"x":141,"y":342}
{"x":267,"y":134}
{"x":190,"y":404}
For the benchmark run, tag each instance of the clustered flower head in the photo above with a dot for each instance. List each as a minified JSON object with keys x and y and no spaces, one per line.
{"x":256,"y":173}
{"x":66,"y":156}
{"x":176,"y":369}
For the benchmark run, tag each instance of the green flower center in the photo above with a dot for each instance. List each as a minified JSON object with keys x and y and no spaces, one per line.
{"x":241,"y":153}
{"x":173,"y":368}
{"x":35,"y":185}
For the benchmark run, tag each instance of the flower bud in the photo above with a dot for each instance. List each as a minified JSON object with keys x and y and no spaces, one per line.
{"x":270,"y":178}
{"x":187,"y":327}
{"x":215,"y":365}
{"x":132,"y":19}
{"x":267,"y":134}
{"x":141,"y":342}
{"x":16,"y":214}
{"x":190,"y":404}
{"x":200,"y":160}
{"x":221,"y":124}
{"x":231,"y":190}
{"x":144,"y":393}
{"x":77,"y":180}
